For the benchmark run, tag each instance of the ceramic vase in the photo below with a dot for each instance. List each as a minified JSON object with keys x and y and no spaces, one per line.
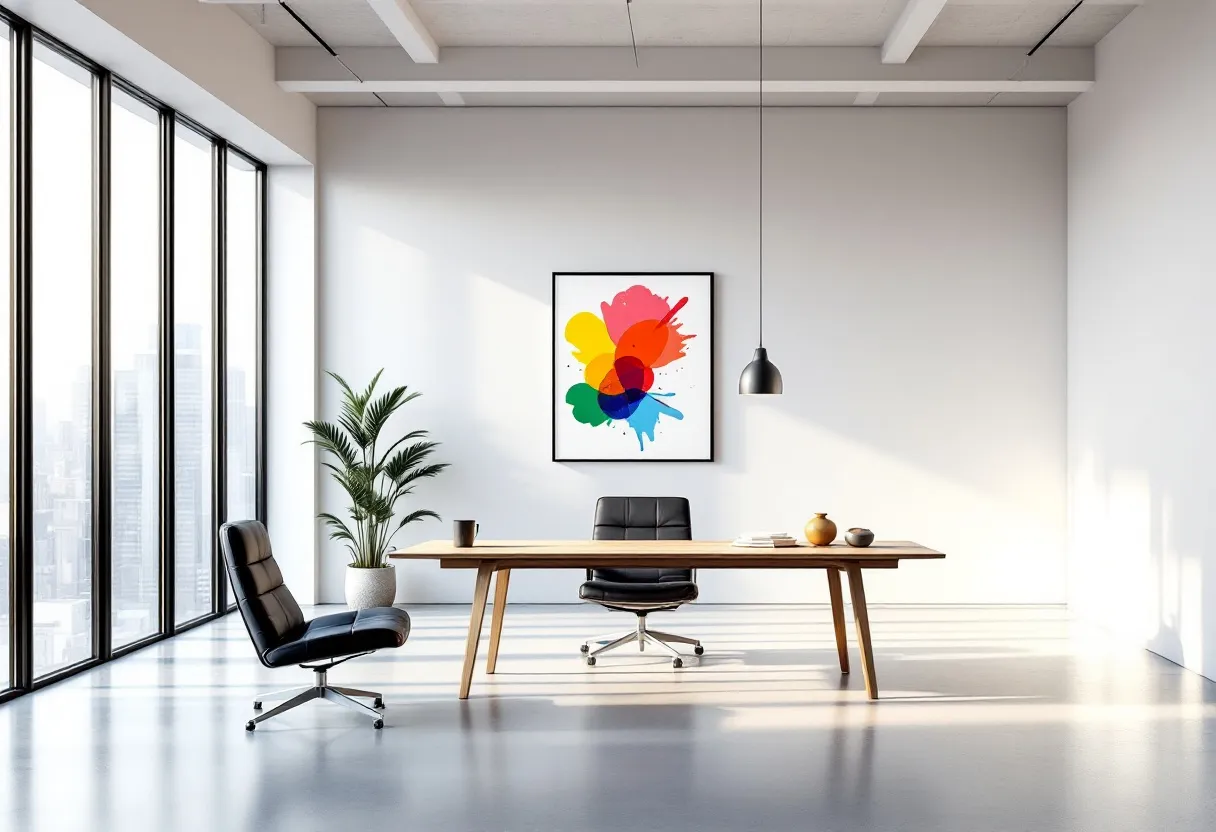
{"x":820,"y":531}
{"x":367,"y":588}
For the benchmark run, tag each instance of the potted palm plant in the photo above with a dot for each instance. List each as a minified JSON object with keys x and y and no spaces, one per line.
{"x":375,"y":480}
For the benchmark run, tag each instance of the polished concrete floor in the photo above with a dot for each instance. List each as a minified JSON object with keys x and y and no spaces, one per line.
{"x":992,"y":720}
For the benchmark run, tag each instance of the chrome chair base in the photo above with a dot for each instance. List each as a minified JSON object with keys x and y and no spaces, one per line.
{"x":296,"y":697}
{"x":642,"y":636}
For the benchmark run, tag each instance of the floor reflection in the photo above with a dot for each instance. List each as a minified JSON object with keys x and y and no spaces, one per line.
{"x":992,"y":718}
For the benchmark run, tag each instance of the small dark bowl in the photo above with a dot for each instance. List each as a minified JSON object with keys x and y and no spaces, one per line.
{"x":859,"y":538}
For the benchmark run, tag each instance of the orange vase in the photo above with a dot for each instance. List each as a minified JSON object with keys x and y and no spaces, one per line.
{"x":820,"y":531}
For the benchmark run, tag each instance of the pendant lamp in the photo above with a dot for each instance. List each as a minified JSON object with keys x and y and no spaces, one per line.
{"x":761,"y":377}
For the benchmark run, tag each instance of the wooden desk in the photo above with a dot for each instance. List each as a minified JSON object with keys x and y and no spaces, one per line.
{"x":488,"y":557}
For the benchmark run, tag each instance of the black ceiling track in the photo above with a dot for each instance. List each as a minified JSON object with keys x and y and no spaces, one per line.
{"x":332,"y":52}
{"x":632,"y":37}
{"x":1059,"y":23}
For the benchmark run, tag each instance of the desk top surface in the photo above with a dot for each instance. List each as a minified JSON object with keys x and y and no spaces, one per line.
{"x":657,"y":552}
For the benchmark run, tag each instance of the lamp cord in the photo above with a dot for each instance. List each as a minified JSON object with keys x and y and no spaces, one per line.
{"x":760,"y":108}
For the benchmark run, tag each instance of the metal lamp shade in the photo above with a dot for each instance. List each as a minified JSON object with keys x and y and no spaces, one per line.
{"x":761,"y":377}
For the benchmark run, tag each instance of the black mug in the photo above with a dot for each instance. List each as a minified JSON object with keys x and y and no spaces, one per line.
{"x":464,"y":532}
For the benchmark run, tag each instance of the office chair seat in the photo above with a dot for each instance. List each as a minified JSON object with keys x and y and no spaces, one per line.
{"x":630,"y":597}
{"x":343,"y":633}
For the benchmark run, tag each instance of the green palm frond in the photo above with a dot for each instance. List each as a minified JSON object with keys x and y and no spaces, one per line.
{"x":332,"y":439}
{"x":350,"y":399}
{"x":407,"y":459}
{"x":374,"y":483}
{"x":415,"y":516}
{"x":379,"y":411}
{"x":354,"y":427}
{"x":425,"y":472}
{"x":358,"y":486}
{"x":339,"y":531}
{"x":371,"y":388}
{"x":409,"y":437}
{"x":354,"y":406}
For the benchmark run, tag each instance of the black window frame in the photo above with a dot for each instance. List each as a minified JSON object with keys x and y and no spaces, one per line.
{"x":22,"y":38}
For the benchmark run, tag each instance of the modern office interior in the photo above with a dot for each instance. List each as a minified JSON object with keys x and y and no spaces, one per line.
{"x":462,"y":415}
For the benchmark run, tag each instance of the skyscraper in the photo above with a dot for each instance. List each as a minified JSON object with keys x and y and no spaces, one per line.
{"x":192,"y":472}
{"x":134,"y":488}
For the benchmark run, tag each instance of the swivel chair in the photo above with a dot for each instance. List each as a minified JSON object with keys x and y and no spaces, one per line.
{"x":641,"y":590}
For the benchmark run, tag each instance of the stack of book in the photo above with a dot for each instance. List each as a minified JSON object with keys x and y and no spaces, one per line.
{"x":765,"y":540}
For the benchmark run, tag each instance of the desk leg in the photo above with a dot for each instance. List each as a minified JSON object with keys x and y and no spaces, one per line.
{"x":842,"y":640}
{"x":500,"y":610}
{"x":480,"y":591}
{"x":862,"y":618}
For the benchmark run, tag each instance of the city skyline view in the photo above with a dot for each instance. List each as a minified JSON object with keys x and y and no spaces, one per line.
{"x":63,"y":551}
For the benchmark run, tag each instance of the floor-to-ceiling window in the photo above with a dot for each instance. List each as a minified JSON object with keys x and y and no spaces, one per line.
{"x":242,"y":375}
{"x":62,"y":360}
{"x":241,"y":324}
{"x":129,"y":409}
{"x":194,"y":291}
{"x":134,"y":368}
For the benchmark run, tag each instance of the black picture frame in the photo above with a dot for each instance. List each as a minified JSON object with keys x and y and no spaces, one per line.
{"x":553,"y":352}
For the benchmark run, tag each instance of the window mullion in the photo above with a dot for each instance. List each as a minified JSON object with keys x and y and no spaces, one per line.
{"x":21,"y":456}
{"x":219,"y":231}
{"x":102,"y":589}
{"x":165,"y":341}
{"x":260,"y":406}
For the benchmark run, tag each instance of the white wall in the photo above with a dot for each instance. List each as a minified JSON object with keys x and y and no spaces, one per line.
{"x":1142,"y":347}
{"x":915,"y":264}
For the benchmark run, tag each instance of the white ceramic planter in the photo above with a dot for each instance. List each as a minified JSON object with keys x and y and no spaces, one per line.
{"x":366,"y":588}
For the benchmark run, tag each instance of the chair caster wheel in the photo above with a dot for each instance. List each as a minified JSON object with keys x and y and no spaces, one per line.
{"x":699,"y":650}
{"x":585,"y":648}
{"x":591,"y":661}
{"x":250,"y":725}
{"x":257,"y":706}
{"x":378,"y":724}
{"x":677,"y":662}
{"x":379,"y":703}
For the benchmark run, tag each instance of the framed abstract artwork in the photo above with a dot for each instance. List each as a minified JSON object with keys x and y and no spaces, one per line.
{"x":633,"y":366}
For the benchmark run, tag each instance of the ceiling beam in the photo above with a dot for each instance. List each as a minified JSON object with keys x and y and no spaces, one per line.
{"x":676,"y":87}
{"x":401,"y":19}
{"x":909,"y":29}
{"x":686,"y":70}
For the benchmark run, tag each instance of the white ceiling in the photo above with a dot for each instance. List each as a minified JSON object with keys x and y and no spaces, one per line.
{"x":686,"y":22}
{"x":340,"y":22}
{"x":1022,"y":24}
{"x":350,"y":26}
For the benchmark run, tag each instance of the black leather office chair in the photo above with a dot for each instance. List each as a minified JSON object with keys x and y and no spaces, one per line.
{"x":641,"y":590}
{"x":281,"y":636}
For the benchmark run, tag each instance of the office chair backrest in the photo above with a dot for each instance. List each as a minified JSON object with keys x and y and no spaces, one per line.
{"x":271,"y":614}
{"x":642,"y":518}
